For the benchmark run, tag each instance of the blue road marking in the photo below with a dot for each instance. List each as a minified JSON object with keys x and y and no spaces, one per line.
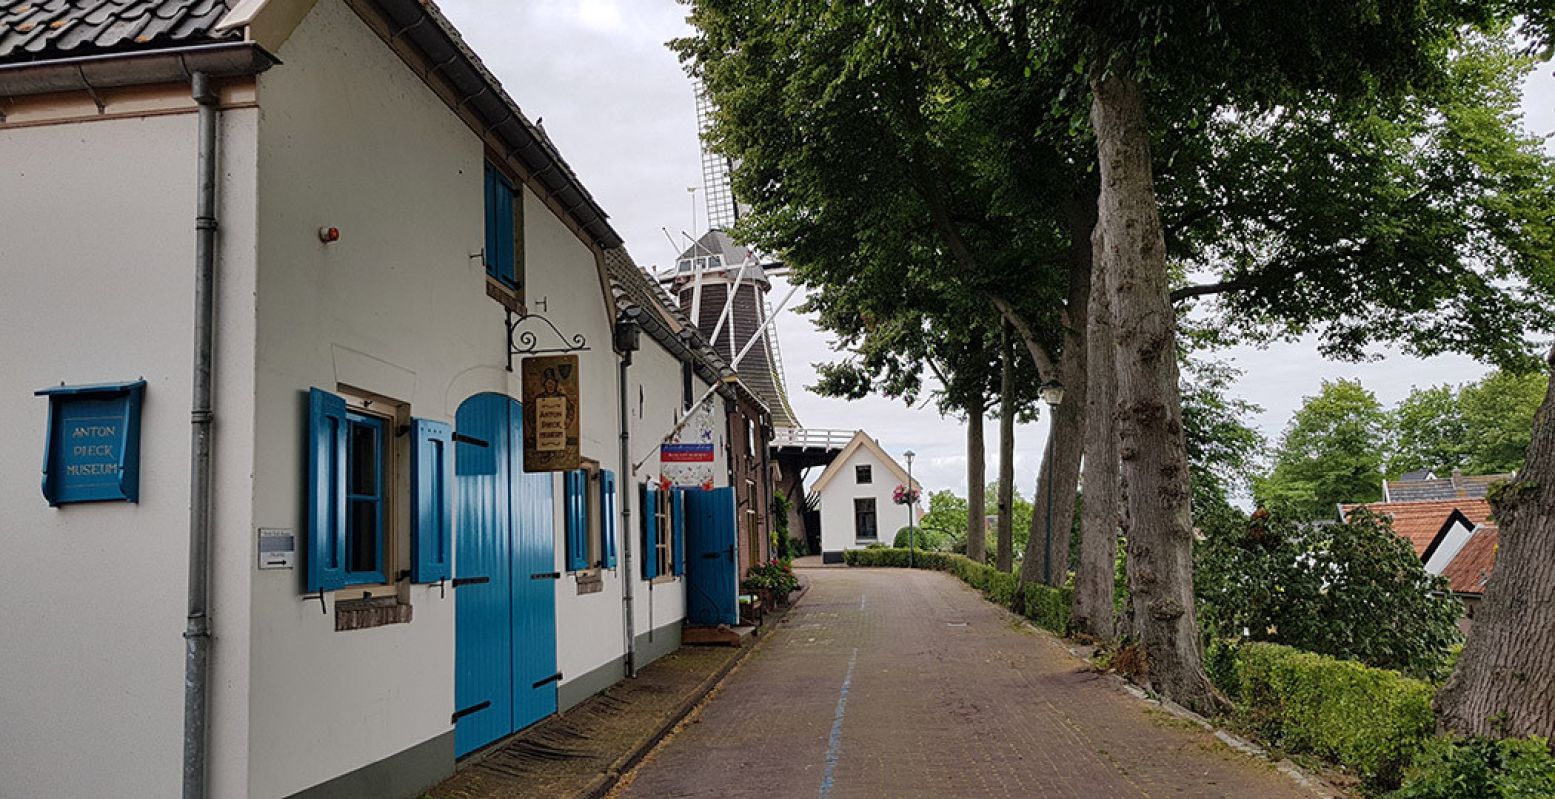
{"x":834,"y":750}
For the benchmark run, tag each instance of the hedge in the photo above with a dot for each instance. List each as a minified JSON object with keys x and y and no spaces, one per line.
{"x":1372,"y":721}
{"x":1046,"y":607}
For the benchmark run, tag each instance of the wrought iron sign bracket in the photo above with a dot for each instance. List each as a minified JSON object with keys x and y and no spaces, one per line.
{"x":525,"y":342}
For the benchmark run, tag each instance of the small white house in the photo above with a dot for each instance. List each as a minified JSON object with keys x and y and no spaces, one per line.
{"x":331,"y":227}
{"x":857,"y":498}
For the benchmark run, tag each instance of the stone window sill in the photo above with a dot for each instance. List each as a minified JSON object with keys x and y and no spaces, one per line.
{"x":363,"y":614}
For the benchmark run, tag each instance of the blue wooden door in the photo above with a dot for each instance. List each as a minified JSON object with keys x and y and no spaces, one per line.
{"x":534,"y":588}
{"x":712,"y":563}
{"x":483,"y":648}
{"x":504,"y":565}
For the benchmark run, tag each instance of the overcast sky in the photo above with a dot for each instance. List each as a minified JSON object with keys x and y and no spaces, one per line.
{"x":620,"y":108}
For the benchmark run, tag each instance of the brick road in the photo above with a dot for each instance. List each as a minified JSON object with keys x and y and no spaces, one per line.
{"x":946,"y":695}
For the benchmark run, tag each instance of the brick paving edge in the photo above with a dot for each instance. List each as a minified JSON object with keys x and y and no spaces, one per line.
{"x":623,"y":765}
{"x":1312,"y":783}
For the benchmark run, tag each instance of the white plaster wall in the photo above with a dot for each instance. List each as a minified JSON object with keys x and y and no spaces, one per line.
{"x":1458,"y":535}
{"x":654,"y":405}
{"x":837,"y":503}
{"x":350,"y":138}
{"x":97,"y":258}
{"x":564,"y":285}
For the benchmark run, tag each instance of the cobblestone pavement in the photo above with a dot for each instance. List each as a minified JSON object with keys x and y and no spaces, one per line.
{"x":900,"y":683}
{"x":570,"y":754}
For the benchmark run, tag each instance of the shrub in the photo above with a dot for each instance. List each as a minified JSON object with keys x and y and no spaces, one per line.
{"x":1355,"y":590}
{"x":1370,"y":720}
{"x":922,"y":538}
{"x":1517,"y":768}
{"x":1047,"y":607}
{"x":776,"y":576}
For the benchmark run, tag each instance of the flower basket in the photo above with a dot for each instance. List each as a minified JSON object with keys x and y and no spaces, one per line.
{"x":905,"y":496}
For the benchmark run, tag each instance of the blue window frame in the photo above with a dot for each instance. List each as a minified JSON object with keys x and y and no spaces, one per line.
{"x":366,"y":465}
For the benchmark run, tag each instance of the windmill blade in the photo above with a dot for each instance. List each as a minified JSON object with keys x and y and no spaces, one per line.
{"x":721,"y":208}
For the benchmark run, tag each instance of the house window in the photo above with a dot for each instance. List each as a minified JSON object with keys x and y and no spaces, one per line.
{"x":864,"y":475}
{"x":750,"y":438}
{"x":864,"y":525}
{"x":663,"y":552}
{"x":590,"y":511}
{"x":686,"y":388}
{"x":366,"y":498}
{"x":663,"y":532}
{"x":504,"y":232}
{"x":378,"y":480}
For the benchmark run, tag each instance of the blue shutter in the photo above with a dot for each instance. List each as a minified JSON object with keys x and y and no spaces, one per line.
{"x":500,"y":262}
{"x":607,"y":510}
{"x":679,"y":526}
{"x":431,"y":500}
{"x":650,"y":528}
{"x":326,"y":554}
{"x":576,"y":499}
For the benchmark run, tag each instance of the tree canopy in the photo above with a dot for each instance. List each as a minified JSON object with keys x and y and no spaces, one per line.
{"x":1330,"y":453}
{"x":1479,"y":428}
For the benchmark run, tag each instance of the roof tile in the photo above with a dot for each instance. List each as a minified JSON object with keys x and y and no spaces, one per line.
{"x":1419,"y":522}
{"x":33,"y":30}
{"x":1471,"y":567}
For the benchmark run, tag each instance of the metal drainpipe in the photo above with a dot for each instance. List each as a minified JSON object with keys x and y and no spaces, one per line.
{"x":197,"y":634}
{"x":627,"y":479}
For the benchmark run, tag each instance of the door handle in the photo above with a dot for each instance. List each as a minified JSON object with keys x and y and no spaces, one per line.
{"x":458,"y":581}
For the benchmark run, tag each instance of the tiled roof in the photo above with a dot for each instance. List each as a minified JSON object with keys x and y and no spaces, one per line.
{"x":1469,"y":570}
{"x":38,"y":29}
{"x":1420,"y":522}
{"x":1442,"y":488}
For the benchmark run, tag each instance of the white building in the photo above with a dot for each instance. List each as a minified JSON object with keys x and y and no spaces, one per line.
{"x":379,"y":564}
{"x":856,"y":495}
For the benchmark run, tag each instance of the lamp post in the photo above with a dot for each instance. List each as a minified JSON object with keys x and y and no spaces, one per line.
{"x":1052,"y":393}
{"x":912,"y":532}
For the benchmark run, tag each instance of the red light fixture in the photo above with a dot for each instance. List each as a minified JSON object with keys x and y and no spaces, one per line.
{"x":329,"y":234}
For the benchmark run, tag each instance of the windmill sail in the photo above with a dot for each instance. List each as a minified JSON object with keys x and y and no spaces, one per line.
{"x":722,"y":211}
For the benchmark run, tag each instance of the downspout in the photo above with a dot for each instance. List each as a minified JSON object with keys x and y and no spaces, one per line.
{"x":629,"y":340}
{"x":197,"y":633}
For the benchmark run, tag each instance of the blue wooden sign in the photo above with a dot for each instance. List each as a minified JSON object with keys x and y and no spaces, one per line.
{"x":93,"y":452}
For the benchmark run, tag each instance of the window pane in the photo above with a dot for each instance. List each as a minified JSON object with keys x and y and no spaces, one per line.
{"x":864,"y":518}
{"x":362,"y":537}
{"x":362,"y":475}
{"x":864,"y":474}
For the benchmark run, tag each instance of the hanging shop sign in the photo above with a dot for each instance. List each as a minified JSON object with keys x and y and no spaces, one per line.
{"x":551,"y":413}
{"x":686,"y":457}
{"x":93,"y":452}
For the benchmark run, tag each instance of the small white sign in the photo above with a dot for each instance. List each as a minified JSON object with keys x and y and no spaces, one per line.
{"x":277,"y":548}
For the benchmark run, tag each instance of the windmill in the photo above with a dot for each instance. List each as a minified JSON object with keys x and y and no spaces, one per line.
{"x":723,"y":285}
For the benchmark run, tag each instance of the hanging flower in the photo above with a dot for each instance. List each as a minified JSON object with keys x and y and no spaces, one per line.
{"x":905,"y":496}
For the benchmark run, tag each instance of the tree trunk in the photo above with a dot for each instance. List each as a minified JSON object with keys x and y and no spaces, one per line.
{"x":1094,"y":579}
{"x":1151,"y":447}
{"x":1005,"y":557}
{"x":976,"y":484}
{"x":1504,"y":683}
{"x":1059,"y":477}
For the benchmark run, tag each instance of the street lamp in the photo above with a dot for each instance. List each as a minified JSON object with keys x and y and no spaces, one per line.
{"x":1053,"y":394}
{"x":912,"y":542}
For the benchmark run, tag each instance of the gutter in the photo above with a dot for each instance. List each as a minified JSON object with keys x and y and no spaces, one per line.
{"x":626,"y":341}
{"x":114,"y":70}
{"x":197,"y":634}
